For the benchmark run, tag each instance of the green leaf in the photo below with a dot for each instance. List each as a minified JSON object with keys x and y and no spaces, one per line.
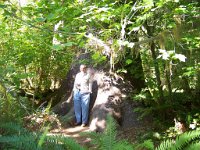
{"x":61,"y":46}
{"x":7,"y":13}
{"x":40,"y":19}
{"x":3,"y":6}
{"x":148,"y":3}
{"x":129,"y":61}
{"x":69,"y":44}
{"x":51,"y":16}
{"x":57,"y":47}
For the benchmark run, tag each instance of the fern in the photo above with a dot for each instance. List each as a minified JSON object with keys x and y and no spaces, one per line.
{"x":108,"y":139}
{"x":17,"y":137}
{"x":147,"y":144}
{"x":19,"y":141}
{"x":42,"y":138}
{"x":96,"y":138}
{"x":165,"y":145}
{"x":185,"y":140}
{"x":11,"y":127}
{"x":68,"y":143}
{"x":193,"y":146}
{"x":122,"y":145}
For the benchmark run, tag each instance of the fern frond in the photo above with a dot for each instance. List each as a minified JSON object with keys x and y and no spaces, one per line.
{"x":66,"y":142}
{"x":123,"y":145}
{"x":109,"y":138}
{"x":43,"y":136}
{"x":52,"y":142}
{"x":53,"y":146}
{"x":166,"y":145}
{"x":184,"y":139}
{"x":193,"y":146}
{"x":95,"y":136}
{"x":25,"y":140}
{"x":147,"y":144}
{"x":71,"y":144}
{"x":20,"y":141}
{"x":181,"y":141}
{"x":11,"y":127}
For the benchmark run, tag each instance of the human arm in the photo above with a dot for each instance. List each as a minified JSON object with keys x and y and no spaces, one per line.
{"x":76,"y":83}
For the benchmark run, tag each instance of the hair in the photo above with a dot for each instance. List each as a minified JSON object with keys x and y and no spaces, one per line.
{"x":82,"y":66}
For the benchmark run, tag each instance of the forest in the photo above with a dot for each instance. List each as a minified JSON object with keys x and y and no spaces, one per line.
{"x":152,"y":46}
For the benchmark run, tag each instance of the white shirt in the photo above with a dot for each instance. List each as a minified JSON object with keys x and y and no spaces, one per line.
{"x":83,"y":83}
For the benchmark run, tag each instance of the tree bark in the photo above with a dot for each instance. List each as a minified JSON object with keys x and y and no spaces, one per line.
{"x":157,"y":72}
{"x":150,"y":32}
{"x":168,"y":79}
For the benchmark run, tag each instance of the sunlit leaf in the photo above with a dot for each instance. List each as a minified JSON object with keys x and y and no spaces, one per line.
{"x":57,"y":47}
{"x":128,"y":61}
{"x":68,"y":44}
{"x":163,"y":54}
{"x":180,"y":57}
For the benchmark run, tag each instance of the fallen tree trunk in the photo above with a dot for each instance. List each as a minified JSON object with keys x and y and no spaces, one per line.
{"x":106,"y":98}
{"x":108,"y":101}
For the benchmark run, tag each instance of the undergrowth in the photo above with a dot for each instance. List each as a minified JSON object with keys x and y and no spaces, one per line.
{"x":13,"y":136}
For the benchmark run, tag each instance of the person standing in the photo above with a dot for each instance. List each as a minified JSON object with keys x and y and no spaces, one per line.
{"x":82,"y":90}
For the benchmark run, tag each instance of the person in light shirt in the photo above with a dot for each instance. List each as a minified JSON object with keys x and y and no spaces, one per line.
{"x":82,"y":90}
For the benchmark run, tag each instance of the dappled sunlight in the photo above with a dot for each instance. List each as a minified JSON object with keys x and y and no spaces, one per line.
{"x":142,"y":58}
{"x":23,"y":2}
{"x":75,"y":133}
{"x":70,"y":132}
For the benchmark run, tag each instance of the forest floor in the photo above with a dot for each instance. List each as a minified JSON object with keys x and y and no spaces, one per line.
{"x":131,"y":129}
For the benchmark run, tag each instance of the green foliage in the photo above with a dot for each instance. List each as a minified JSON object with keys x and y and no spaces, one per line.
{"x":108,"y":139}
{"x":186,"y":140}
{"x":61,"y":142}
{"x":170,"y":54}
{"x":12,"y":106}
{"x":163,"y":34}
{"x":193,"y":120}
{"x":98,"y":59}
{"x":147,"y":144}
{"x":16,"y":137}
{"x":13,"y":136}
{"x":191,"y":124}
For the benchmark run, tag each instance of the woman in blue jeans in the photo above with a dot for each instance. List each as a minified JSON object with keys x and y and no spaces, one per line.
{"x":82,"y":90}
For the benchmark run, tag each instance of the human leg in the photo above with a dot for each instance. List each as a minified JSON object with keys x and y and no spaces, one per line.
{"x":77,"y":106}
{"x":85,"y":101}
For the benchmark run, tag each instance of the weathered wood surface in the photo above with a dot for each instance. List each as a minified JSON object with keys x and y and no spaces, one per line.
{"x":108,"y":101}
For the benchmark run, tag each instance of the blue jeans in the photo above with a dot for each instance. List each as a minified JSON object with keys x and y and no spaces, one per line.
{"x":81,"y":106}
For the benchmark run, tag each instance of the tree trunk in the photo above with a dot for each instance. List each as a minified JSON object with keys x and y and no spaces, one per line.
{"x":168,"y":79}
{"x":157,"y":72}
{"x":150,"y":30}
{"x":108,"y":101}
